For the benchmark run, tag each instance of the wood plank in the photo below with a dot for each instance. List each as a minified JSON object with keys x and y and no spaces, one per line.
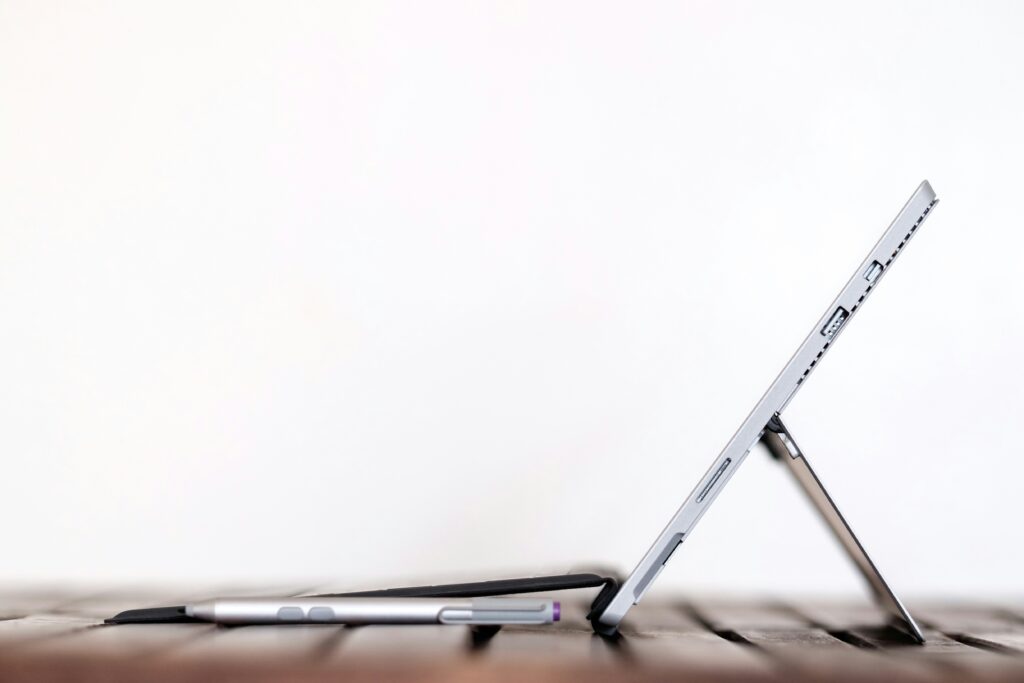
{"x":299,"y":642}
{"x":21,"y":601}
{"x":666,"y":636}
{"x":966,"y":617}
{"x":401,"y":653}
{"x":59,"y":638}
{"x":870,"y":624}
{"x":15,"y":633}
{"x":800,"y":648}
{"x":137,"y":641}
{"x":984,"y":626}
{"x":940,"y":658}
{"x":758,"y":614}
{"x":997,"y":641}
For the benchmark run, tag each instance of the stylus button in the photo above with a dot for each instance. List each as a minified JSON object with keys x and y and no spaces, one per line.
{"x":290,"y":614}
{"x":321,"y":614}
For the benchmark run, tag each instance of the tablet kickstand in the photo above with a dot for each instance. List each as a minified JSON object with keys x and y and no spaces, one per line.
{"x":783,"y":448}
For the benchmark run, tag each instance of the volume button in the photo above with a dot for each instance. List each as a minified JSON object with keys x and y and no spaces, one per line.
{"x":714,"y":480}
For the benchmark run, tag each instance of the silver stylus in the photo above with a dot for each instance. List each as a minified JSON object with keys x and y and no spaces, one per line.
{"x":376,"y":611}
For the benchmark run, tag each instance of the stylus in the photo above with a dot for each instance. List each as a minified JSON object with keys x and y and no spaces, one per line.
{"x":478,"y":611}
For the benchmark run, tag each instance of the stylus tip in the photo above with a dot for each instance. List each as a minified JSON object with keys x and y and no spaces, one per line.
{"x":556,"y":611}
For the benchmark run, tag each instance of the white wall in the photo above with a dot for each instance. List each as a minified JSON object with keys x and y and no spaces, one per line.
{"x":363,"y":291}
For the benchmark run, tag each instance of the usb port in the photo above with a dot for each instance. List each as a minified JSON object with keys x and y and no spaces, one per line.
{"x":873,"y":271}
{"x":835,"y":322}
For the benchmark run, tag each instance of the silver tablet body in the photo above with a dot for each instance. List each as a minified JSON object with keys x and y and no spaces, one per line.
{"x":821,"y":337}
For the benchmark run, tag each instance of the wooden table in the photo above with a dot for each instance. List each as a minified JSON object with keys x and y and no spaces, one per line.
{"x":49,"y":636}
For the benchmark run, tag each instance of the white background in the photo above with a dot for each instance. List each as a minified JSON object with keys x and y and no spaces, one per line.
{"x":358,"y":291}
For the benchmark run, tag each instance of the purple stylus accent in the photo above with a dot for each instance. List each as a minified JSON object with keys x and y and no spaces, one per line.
{"x":556,"y":611}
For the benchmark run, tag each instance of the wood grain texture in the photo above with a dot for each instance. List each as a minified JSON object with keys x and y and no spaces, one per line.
{"x":57,"y":636}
